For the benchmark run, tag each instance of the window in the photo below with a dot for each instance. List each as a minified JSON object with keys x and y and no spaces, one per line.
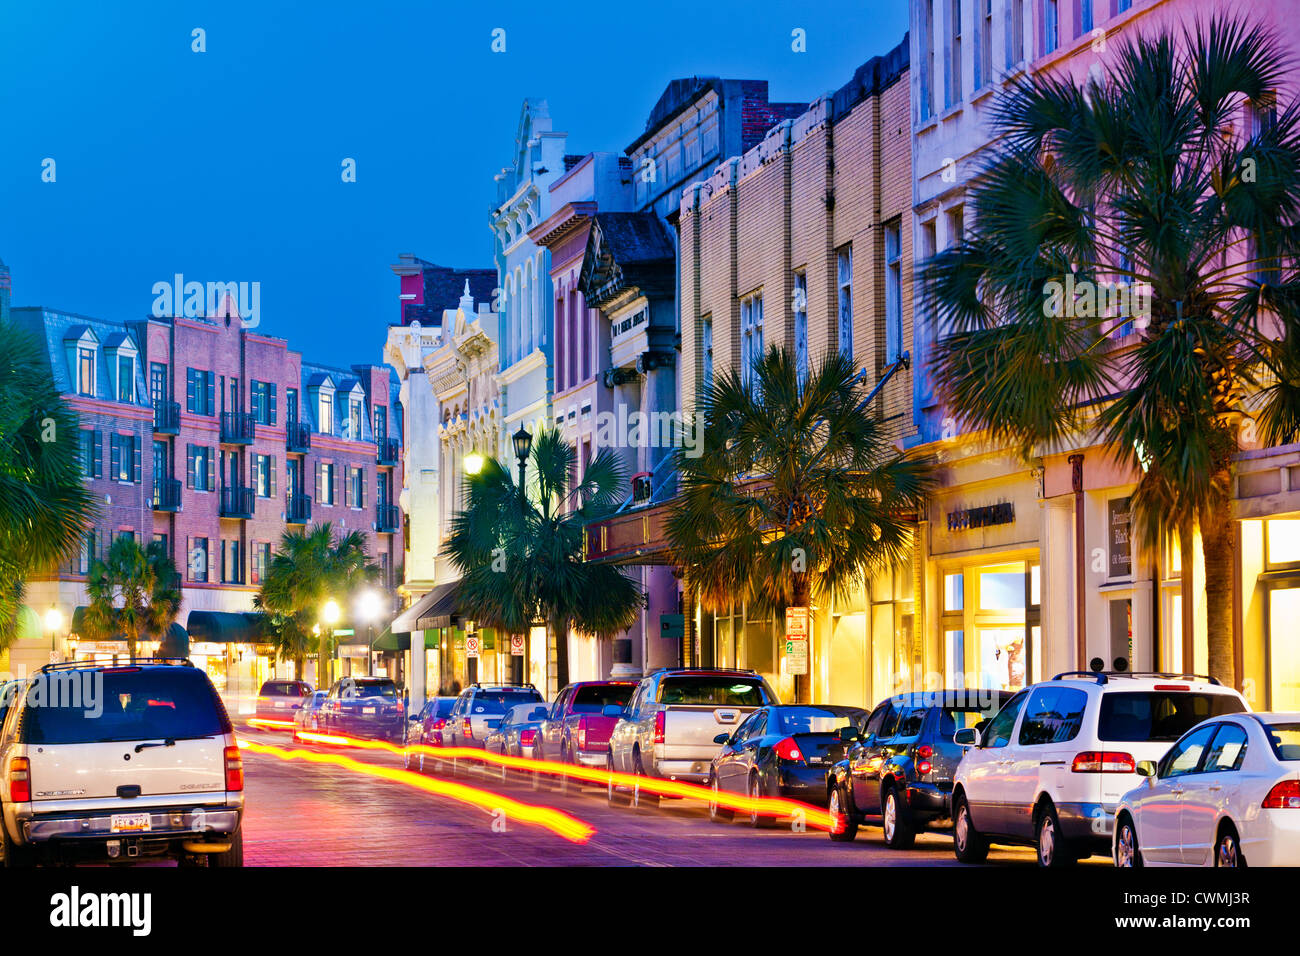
{"x":984,"y":50}
{"x":1049,"y":25}
{"x":325,"y":413}
{"x":1016,"y":32}
{"x":262,"y":397}
{"x":889,"y":726}
{"x":87,"y":555}
{"x":1122,"y":5}
{"x":157,"y":382}
{"x":291,"y":405}
{"x":751,"y":335}
{"x":198,"y":560}
{"x":998,"y":732}
{"x":893,"y":293}
{"x":1142,"y":716}
{"x":845,"y":286}
{"x":125,"y":378}
{"x":200,"y":468}
{"x":264,"y":475}
{"x":86,"y":372}
{"x":706,"y":350}
{"x":954,"y":52}
{"x":325,"y":483}
{"x":261,"y":561}
{"x":230,"y":569}
{"x":356,"y":488}
{"x":92,"y":453}
{"x":1185,"y":756}
{"x":354,"y":420}
{"x":1228,"y":750}
{"x":124,"y":458}
{"x":800,"y":308}
{"x":381,"y":422}
{"x":926,"y":28}
{"x":200,"y":396}
{"x":1053,"y":716}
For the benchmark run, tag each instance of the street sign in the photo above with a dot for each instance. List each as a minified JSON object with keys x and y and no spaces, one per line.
{"x":471,"y":646}
{"x":344,"y":632}
{"x":517,"y":645}
{"x":796,"y":640}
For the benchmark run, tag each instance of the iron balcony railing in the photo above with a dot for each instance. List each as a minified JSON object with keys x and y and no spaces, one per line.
{"x":167,"y":494}
{"x":297,"y":437}
{"x":297,"y":508}
{"x":237,"y":428}
{"x":387,"y":451}
{"x":166,"y":417}
{"x":387,"y":518}
{"x":237,"y":502}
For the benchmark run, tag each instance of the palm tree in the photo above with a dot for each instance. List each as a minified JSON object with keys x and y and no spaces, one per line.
{"x":1142,"y":180}
{"x":797,"y":493}
{"x":134,"y":592}
{"x":44,"y":506}
{"x":521,"y":557}
{"x":308,"y":569}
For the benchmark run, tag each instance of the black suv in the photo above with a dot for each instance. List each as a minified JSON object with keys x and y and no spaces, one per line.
{"x":897,"y":771}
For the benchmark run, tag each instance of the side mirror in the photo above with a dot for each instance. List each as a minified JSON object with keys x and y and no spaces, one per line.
{"x":1146,"y":768}
{"x":849,"y":734}
{"x":612,"y":710}
{"x":414,"y":717}
{"x":967,"y":737}
{"x":721,"y":738}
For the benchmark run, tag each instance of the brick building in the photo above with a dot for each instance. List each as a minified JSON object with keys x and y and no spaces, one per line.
{"x":215,"y":439}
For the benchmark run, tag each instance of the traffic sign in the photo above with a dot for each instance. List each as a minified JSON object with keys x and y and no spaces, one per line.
{"x":517,"y":645}
{"x":796,"y":640}
{"x":471,"y":646}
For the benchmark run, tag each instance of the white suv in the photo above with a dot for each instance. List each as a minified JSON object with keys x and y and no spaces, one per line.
{"x":1050,"y":768}
{"x":120,"y":762}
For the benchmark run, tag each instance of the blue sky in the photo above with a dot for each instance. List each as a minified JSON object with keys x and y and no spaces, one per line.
{"x":225,"y":165}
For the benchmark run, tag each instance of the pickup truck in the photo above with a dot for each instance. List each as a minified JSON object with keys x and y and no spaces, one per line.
{"x":669,"y":727}
{"x":577,"y":730}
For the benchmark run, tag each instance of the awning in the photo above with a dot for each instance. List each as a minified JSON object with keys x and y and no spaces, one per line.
{"x":28,"y":624}
{"x":175,"y":643}
{"x":225,"y":627}
{"x":438,"y":602}
{"x":391,"y":641}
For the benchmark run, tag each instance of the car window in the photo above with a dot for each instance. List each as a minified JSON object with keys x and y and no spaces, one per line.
{"x":1134,"y":716}
{"x":1053,"y":715}
{"x":594,"y":698}
{"x":911,"y":723}
{"x":741,"y":733}
{"x":953,"y":719}
{"x":1185,"y":756}
{"x":725,"y":690}
{"x":890,"y":724}
{"x":816,"y":720}
{"x":1285,"y":740}
{"x":998,"y":732}
{"x":876,"y":719}
{"x":1228,"y":750}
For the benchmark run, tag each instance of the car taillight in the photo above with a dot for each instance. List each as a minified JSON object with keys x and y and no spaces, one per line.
{"x":234,"y":769}
{"x":923,"y":755}
{"x":527,"y":738}
{"x":1284,"y":796}
{"x":1171,"y":687}
{"x":582,"y":733}
{"x":20,"y":781}
{"x":1103,"y":761}
{"x":465,"y":727}
{"x":659,"y":727}
{"x":789,"y":750}
{"x":440,"y":723}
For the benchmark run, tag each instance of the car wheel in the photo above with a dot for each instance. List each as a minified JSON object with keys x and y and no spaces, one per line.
{"x":1126,"y":845}
{"x":642,"y":798}
{"x":843,"y":827}
{"x":612,"y":792}
{"x":717,"y":813}
{"x":232,"y":857}
{"x":897,"y":822}
{"x":968,"y":844}
{"x":1053,"y":849}
{"x":15,"y":855}
{"x":757,"y":820}
{"x":1227,"y":851}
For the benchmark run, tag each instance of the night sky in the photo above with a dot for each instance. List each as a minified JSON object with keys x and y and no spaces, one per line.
{"x":225,"y":165}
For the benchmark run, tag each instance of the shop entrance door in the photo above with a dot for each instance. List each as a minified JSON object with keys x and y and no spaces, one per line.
{"x":1284,"y":649}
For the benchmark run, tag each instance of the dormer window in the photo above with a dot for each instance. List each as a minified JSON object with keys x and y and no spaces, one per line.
{"x":326,"y":414}
{"x":86,"y":371}
{"x":125,"y":378}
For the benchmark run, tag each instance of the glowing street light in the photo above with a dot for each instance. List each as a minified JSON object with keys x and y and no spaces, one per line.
{"x":53,"y":624}
{"x":331,"y":612}
{"x":368,"y":609}
{"x":473,"y":463}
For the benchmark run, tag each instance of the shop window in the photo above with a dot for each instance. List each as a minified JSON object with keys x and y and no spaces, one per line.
{"x":1284,"y":650}
{"x":953,"y":592}
{"x":1121,"y":635}
{"x":1002,"y":657}
{"x":954,"y":656}
{"x":1002,"y":590}
{"x":1282,"y":537}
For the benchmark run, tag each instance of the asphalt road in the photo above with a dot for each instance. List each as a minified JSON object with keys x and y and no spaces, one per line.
{"x":300,"y":813}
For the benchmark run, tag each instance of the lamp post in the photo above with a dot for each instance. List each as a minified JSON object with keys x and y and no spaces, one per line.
{"x":330,"y":614}
{"x":368,"y":610}
{"x":53,"y":624}
{"x":523,"y":442}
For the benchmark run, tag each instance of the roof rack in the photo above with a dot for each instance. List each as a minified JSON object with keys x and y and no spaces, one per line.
{"x":1102,"y":677}
{"x":499,"y":683}
{"x":700,"y":667}
{"x":88,"y":665}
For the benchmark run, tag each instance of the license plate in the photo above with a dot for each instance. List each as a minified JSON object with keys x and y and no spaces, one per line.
{"x":367,"y":710}
{"x":129,"y":822}
{"x":279,"y":703}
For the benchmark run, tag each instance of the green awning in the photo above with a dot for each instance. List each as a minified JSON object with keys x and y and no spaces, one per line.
{"x":79,"y":624}
{"x":388,"y":641}
{"x":225,"y":627}
{"x":175,"y":643}
{"x":28,"y":623}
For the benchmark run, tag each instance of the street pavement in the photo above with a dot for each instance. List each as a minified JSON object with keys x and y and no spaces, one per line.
{"x":309,"y":814}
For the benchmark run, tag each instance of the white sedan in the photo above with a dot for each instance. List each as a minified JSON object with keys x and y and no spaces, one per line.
{"x":1226,"y":793}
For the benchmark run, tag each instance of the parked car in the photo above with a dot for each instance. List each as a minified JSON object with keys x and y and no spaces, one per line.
{"x":307,"y":717}
{"x":480,"y":708}
{"x":577,"y":729}
{"x":898,"y":768}
{"x":671,"y":725}
{"x":1227,"y":792}
{"x":782,"y":750}
{"x":1049,"y":770}
{"x":144,"y":766}
{"x":517,"y":732}
{"x":426,"y":728}
{"x":9,"y":691}
{"x":279,"y":699}
{"x":365,"y":708}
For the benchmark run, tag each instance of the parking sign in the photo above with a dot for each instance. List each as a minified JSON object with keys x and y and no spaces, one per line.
{"x":517,"y":645}
{"x":471,"y":646}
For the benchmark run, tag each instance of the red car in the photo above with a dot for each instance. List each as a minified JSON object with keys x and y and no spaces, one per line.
{"x":577,"y":729}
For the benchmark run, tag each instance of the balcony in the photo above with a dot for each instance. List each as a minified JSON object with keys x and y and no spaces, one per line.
{"x":237,"y":502}
{"x":166,"y":417}
{"x":387,"y":518}
{"x":297,"y":437}
{"x":167,"y":494}
{"x":387,"y":451}
{"x":237,"y":428}
{"x":297,"y":509}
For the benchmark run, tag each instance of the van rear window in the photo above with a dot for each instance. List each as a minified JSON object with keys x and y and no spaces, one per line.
{"x":107,"y":706}
{"x":722,"y":690}
{"x":1136,"y":716}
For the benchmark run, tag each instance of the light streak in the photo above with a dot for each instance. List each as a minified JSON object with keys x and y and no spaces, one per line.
{"x":270,"y":724}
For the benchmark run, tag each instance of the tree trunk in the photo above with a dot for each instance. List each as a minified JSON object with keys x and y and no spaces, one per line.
{"x":299,"y":665}
{"x":561,"y":631}
{"x":1220,"y":560}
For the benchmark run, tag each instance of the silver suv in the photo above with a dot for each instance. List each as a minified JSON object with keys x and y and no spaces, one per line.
{"x":120,"y":763}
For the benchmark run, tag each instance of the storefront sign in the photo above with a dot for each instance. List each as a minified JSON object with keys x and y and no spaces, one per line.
{"x":516,"y":645}
{"x":965,"y":518}
{"x":1118,"y":540}
{"x":796,"y":640}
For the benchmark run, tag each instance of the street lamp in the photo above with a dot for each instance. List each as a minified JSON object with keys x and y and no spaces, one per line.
{"x":53,"y":624}
{"x":523,"y":442}
{"x":368,"y":611}
{"x":473,"y":463}
{"x":330,"y":613}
